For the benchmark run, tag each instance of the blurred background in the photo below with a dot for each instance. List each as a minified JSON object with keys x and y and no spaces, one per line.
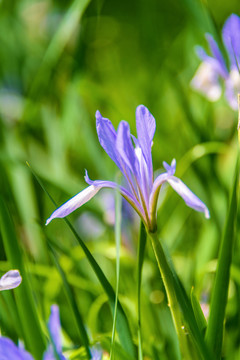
{"x":59,"y":63}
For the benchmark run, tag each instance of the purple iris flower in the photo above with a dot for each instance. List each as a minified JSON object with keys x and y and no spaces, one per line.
{"x":214,"y":68}
{"x":10,"y":280}
{"x":133,"y":157}
{"x":10,"y":351}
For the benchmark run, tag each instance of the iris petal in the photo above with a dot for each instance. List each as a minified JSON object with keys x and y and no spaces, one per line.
{"x":10,"y":280}
{"x":188,"y":196}
{"x":74,"y":203}
{"x":125,"y":147}
{"x":216,"y":53}
{"x":107,"y":137}
{"x":10,"y":351}
{"x":146,"y":127}
{"x":231,"y":38}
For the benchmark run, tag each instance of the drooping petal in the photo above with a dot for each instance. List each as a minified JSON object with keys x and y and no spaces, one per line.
{"x":125,"y":147}
{"x":10,"y":280}
{"x":146,"y":126}
{"x":10,"y":351}
{"x":74,"y":203}
{"x":206,"y":81}
{"x":107,"y":137}
{"x":231,"y":39}
{"x":54,"y":327}
{"x":188,"y":196}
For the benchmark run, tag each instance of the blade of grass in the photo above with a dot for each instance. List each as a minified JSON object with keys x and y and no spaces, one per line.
{"x":72,"y":302}
{"x":60,"y":39}
{"x":141,"y":250}
{"x":32,"y":333}
{"x":118,"y":204}
{"x":200,"y":318}
{"x":214,"y":334}
{"x":122,"y":325}
{"x":188,"y":312}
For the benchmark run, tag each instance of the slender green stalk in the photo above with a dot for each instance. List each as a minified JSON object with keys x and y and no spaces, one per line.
{"x":141,"y":249}
{"x":168,"y":282}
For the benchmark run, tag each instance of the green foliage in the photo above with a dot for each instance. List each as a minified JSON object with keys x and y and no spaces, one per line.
{"x":60,"y":62}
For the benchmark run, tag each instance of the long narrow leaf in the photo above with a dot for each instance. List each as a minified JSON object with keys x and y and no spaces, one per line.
{"x":214,"y":334}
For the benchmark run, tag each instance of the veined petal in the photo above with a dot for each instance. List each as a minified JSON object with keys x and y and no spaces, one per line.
{"x":10,"y":280}
{"x":146,"y":126}
{"x":107,"y":137}
{"x":231,"y":39}
{"x":10,"y":351}
{"x":188,"y":196}
{"x":74,"y":203}
{"x":124,"y":192}
{"x":125,"y":147}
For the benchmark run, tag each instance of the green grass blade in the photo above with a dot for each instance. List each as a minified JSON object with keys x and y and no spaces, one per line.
{"x":32,"y":333}
{"x":118,"y":245}
{"x":200,"y":318}
{"x":56,"y":47}
{"x":122,"y":325}
{"x":72,"y":302}
{"x":214,"y":334}
{"x":141,"y":250}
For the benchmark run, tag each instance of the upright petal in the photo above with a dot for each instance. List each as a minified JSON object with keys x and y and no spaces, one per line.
{"x":107,"y":137}
{"x":216,"y":52}
{"x":10,"y":351}
{"x":231,"y":39}
{"x":74,"y":203}
{"x":170,"y":168}
{"x":125,"y":147}
{"x":188,"y":196}
{"x":10,"y":280}
{"x":146,"y":126}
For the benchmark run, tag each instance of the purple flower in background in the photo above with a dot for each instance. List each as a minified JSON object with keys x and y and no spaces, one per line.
{"x":135,"y":163}
{"x":10,"y":280}
{"x":54,"y":328}
{"x":10,"y":351}
{"x":213,"y":67}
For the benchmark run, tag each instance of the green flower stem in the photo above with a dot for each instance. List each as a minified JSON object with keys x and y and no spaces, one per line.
{"x":168,"y":282}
